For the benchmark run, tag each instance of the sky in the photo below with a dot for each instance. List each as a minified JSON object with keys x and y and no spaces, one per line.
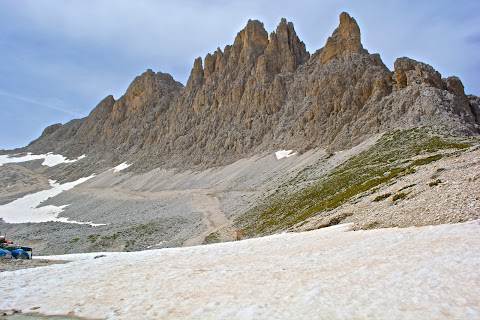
{"x":59,"y":58}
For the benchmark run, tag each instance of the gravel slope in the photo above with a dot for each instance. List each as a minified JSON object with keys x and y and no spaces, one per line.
{"x":445,"y":191}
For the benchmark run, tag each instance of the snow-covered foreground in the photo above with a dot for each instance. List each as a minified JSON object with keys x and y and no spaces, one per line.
{"x":26,"y":209}
{"x":414,"y":273}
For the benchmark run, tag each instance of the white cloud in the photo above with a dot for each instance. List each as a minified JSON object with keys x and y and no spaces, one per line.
{"x":141,"y":28}
{"x":37,"y":102}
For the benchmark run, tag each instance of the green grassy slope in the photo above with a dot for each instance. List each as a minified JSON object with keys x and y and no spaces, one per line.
{"x":396,"y":153}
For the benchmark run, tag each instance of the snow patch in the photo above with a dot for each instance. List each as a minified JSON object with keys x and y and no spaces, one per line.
{"x":284,"y":154}
{"x":121,"y":167}
{"x":155,"y":245}
{"x":50,"y":159}
{"x":25,"y":209}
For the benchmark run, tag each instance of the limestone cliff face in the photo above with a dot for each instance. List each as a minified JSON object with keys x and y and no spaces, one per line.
{"x":260,"y":94}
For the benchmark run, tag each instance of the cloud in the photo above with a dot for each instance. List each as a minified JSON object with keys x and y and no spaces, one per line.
{"x":47,"y":105}
{"x":143,"y":29}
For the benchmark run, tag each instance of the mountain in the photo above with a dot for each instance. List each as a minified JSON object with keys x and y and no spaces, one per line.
{"x":260,"y":94}
{"x":169,"y":165}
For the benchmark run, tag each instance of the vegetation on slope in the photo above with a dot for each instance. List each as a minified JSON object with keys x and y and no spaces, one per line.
{"x":396,"y":153}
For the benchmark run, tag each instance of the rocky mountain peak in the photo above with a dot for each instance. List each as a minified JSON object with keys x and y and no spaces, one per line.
{"x":145,"y":89}
{"x":103,"y":109}
{"x":346,"y":38}
{"x":196,"y":75}
{"x":286,"y":38}
{"x":149,"y":80}
{"x":250,"y":43}
{"x":285,"y":51}
{"x":455,"y":86}
{"x":50,"y":129}
{"x":408,"y":72}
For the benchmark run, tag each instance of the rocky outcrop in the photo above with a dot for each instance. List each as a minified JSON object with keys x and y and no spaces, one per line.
{"x":94,"y":124}
{"x":408,"y":72}
{"x":284,"y":53}
{"x":50,"y":129}
{"x":196,"y":76}
{"x":455,"y":86}
{"x":144,"y":92}
{"x":262,"y":94}
{"x":346,"y":38}
{"x":474,"y":103}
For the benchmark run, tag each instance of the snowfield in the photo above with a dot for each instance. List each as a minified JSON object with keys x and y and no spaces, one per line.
{"x":50,"y":159}
{"x":413,"y":273}
{"x":26,"y":209}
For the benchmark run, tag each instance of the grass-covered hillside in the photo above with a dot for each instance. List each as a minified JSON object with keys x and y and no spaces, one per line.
{"x":396,"y":154}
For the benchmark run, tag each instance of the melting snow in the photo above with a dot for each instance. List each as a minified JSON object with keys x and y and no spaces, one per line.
{"x":284,"y":154}
{"x":412,"y":273}
{"x":26,"y":209}
{"x":121,"y":166}
{"x":50,"y":159}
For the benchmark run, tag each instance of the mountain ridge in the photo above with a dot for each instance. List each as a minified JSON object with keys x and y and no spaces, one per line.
{"x":258,"y":95}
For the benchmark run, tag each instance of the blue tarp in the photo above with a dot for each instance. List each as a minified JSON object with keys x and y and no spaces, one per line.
{"x":5,"y":253}
{"x":20,"y":254}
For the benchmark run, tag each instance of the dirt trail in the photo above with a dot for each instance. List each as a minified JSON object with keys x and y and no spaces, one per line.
{"x":213,"y":217}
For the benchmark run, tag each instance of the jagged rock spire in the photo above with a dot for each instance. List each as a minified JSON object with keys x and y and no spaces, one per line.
{"x":346,"y":38}
{"x":196,"y":76}
{"x":288,"y":41}
{"x":251,"y":42}
{"x":285,"y":50}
